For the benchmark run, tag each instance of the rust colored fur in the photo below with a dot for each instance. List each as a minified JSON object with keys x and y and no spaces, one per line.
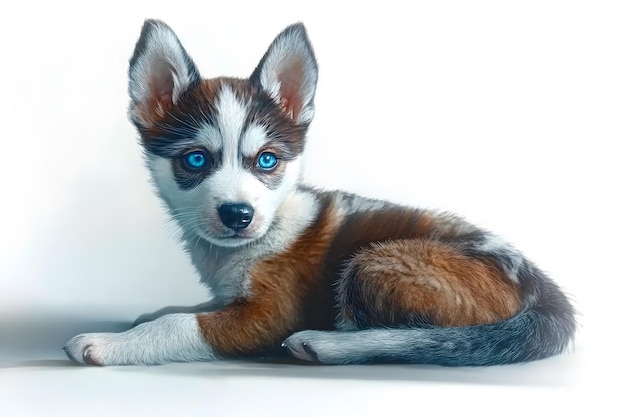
{"x":280,"y":286}
{"x":401,"y":281}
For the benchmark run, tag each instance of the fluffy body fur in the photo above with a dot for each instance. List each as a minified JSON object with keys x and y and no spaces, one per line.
{"x":322,"y":276}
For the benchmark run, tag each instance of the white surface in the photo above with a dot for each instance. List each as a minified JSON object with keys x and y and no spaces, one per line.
{"x":510,"y":114}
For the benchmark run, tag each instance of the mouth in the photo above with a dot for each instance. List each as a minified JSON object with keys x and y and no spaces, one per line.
{"x":236,"y":236}
{"x":215,"y":233}
{"x":233,"y":239}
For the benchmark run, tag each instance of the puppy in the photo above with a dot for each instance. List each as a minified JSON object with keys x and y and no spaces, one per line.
{"x":323,"y":276}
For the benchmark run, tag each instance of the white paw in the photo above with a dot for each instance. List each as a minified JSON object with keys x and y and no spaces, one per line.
{"x":99,"y":349}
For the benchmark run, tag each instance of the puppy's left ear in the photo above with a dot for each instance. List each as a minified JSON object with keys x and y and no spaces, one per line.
{"x":288,"y":73}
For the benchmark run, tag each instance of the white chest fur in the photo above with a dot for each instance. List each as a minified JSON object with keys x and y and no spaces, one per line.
{"x":226,"y":271}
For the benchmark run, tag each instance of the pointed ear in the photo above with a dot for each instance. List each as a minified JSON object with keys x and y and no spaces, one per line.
{"x":160,"y":72}
{"x":288,"y":73}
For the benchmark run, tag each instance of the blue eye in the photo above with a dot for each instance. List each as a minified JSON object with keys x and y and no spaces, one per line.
{"x":195,"y":160}
{"x":267,"y":160}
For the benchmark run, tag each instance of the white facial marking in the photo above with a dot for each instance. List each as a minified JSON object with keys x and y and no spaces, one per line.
{"x":231,"y":115}
{"x":210,"y":137}
{"x":253,"y":139}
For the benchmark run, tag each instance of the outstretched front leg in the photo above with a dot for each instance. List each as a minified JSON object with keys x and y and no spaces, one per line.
{"x":242,"y":328}
{"x":170,"y":338}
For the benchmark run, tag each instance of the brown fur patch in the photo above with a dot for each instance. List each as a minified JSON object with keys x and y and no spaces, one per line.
{"x":362,"y":229}
{"x":279,"y":286}
{"x":153,"y":110}
{"x":431,"y":281}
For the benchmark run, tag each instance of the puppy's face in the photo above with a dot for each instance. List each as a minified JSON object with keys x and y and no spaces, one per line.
{"x":224,"y":159}
{"x":224,"y":153}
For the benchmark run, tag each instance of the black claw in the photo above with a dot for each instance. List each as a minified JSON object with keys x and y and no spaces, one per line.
{"x":310,"y":352}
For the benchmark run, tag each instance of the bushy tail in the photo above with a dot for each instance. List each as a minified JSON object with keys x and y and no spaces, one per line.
{"x":544,"y":328}
{"x":533,"y":334}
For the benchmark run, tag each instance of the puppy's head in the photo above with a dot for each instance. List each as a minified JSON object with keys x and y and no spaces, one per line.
{"x":224,"y":153}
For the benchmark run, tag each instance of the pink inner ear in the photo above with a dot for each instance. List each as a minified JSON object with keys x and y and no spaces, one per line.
{"x":161,"y":89}
{"x":291,"y":78}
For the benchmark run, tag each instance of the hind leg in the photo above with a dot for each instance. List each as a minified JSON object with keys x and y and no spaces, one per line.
{"x":418,"y":282}
{"x":408,"y":283}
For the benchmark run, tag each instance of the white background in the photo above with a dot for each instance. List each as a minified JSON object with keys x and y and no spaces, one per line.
{"x":508,"y":113}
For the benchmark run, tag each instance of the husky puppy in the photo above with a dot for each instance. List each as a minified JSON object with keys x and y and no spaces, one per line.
{"x":322,"y":276}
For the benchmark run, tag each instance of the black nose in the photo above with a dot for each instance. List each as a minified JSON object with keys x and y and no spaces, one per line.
{"x":236,"y":215}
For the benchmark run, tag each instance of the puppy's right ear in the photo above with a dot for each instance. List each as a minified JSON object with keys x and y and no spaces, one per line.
{"x":160,"y":72}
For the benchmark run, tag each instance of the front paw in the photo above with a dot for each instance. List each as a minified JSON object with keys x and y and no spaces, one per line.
{"x":97,"y":349}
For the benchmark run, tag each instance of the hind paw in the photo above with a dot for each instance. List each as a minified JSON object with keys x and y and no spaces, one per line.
{"x":311,"y":346}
